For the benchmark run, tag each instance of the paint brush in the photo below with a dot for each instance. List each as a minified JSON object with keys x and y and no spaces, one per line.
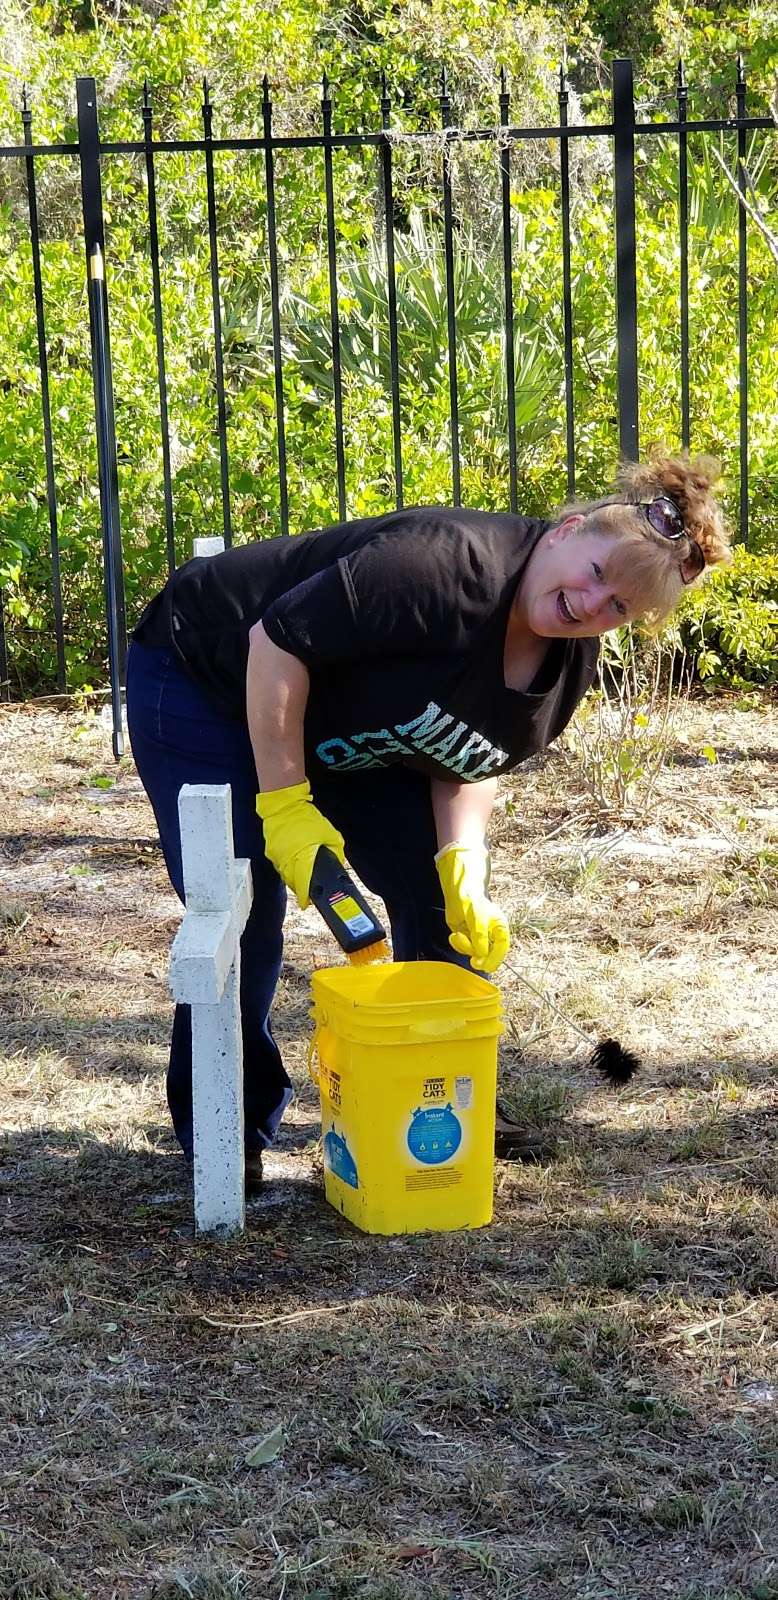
{"x":361,"y":936}
{"x":607,"y":1056}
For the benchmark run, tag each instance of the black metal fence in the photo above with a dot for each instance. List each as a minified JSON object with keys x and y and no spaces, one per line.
{"x":623,"y":130}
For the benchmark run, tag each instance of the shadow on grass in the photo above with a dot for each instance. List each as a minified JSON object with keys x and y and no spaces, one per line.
{"x":18,"y":845}
{"x":568,"y":1226}
{"x":93,"y":1048}
{"x":537,"y":1373}
{"x":63,"y":1187}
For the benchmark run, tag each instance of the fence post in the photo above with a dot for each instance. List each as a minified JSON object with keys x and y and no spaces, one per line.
{"x":337,"y":387}
{"x":507,"y":273}
{"x":94,"y":240}
{"x":391,"y":290}
{"x":567,"y":287}
{"x":742,"y":295}
{"x":683,"y":212}
{"x":626,"y":279}
{"x":448,"y":237}
{"x":43,"y":364}
{"x":218,"y":343}
{"x":5,"y":686}
{"x":275,"y":302}
{"x":156,"y":286}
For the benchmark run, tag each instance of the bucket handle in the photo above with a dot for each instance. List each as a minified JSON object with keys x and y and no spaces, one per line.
{"x":435,"y":1028}
{"x":313,"y":1051}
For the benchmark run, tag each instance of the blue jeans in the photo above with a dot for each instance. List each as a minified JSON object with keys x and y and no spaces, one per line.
{"x":178,"y":736}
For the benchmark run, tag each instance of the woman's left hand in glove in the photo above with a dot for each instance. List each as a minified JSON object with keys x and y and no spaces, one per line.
{"x":478,"y":928}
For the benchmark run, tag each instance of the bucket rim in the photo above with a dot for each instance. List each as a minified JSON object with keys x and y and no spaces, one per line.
{"x":486,"y":996}
{"x":484,"y":1008}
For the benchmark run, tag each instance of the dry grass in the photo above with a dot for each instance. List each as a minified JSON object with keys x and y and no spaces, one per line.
{"x":579,"y":1399}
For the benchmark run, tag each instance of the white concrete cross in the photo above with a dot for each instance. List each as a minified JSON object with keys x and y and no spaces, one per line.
{"x":205,"y":974}
{"x":211,"y":546}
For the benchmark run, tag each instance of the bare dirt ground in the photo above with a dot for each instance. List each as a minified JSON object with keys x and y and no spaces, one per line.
{"x":581,"y":1398}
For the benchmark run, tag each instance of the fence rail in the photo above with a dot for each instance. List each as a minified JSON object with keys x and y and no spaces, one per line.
{"x":90,"y":152}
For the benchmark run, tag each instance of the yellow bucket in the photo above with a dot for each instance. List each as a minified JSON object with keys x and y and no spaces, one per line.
{"x":407,"y":1072}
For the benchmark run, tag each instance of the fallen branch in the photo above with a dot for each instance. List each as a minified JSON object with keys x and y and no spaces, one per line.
{"x":705,"y":1327}
{"x":290,"y":1316}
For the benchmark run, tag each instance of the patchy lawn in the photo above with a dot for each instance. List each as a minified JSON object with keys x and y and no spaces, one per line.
{"x":581,"y":1398}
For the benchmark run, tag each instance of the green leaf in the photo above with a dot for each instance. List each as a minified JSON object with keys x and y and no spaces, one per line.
{"x":267,"y":1449}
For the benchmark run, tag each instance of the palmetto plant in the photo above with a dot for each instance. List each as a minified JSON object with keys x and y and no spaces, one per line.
{"x":422,"y":333}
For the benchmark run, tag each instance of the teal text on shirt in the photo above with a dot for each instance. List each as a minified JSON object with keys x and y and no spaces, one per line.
{"x":434,"y":733}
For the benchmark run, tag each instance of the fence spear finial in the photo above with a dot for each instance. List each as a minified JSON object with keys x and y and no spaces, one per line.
{"x":443,"y":85}
{"x":206,"y":91}
{"x":25,"y":101}
{"x":681,"y":74}
{"x":146,"y":95}
{"x":741,"y":68}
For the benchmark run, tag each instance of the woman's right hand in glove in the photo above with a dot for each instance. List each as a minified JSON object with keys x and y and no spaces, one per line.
{"x":478,"y":928}
{"x":294,"y":832}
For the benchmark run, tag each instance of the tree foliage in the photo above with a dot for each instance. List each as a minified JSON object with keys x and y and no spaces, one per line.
{"x":173,"y":45}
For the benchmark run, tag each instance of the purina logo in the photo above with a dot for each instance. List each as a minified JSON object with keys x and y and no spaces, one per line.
{"x":434,"y":1089}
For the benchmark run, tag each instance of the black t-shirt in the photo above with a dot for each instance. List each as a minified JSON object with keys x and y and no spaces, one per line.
{"x":401,"y":622}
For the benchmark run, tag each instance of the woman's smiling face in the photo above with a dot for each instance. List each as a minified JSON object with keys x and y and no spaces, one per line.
{"x":565,"y":591}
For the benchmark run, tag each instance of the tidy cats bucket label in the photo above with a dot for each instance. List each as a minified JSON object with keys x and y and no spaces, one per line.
{"x":435,"y":1134}
{"x":339,"y":1159}
{"x":432,"y":1133}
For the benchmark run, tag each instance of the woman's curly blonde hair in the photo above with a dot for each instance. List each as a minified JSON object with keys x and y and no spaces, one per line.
{"x":645,"y":565}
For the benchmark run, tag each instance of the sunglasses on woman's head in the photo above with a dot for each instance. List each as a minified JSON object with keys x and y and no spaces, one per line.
{"x":664,"y":517}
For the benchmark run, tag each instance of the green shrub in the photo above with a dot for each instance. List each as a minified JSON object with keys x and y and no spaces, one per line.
{"x":729,"y":626}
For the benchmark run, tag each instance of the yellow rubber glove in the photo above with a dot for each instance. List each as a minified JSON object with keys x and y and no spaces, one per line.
{"x":294,"y":831}
{"x":478,"y":929}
